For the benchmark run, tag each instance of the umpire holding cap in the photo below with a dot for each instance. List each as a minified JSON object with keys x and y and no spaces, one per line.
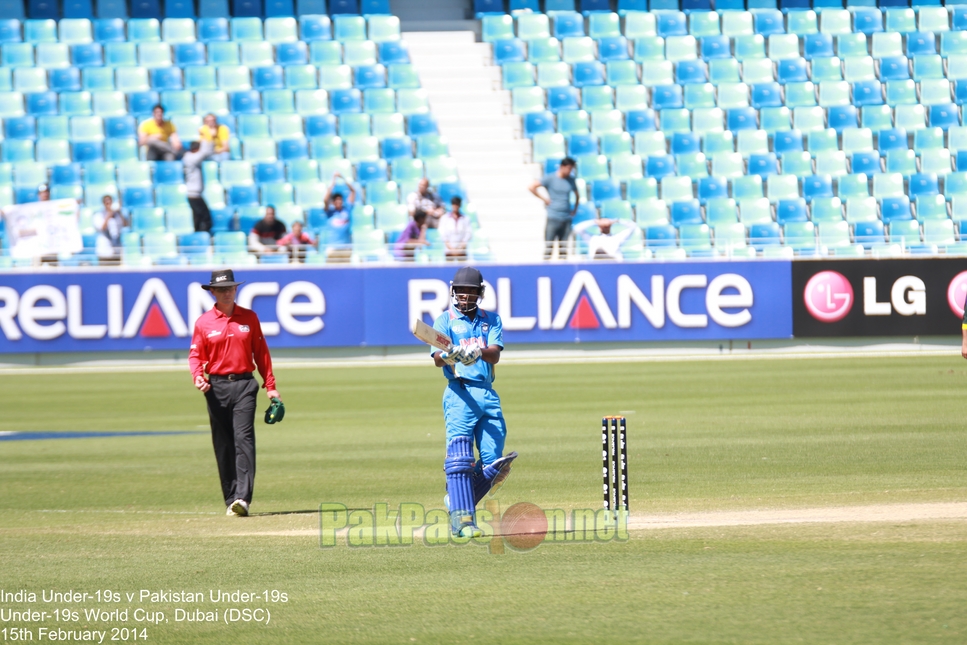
{"x":228,"y":344}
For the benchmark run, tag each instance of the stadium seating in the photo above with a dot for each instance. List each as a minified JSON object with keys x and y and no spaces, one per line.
{"x":303,"y":97}
{"x":849,"y":120}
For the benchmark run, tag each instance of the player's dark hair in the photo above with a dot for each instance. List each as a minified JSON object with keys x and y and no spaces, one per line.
{"x":158,"y":106}
{"x":419,"y":214}
{"x":456,"y":201}
{"x":567,"y":161}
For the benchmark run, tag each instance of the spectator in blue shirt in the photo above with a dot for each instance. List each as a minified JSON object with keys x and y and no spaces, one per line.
{"x":338,"y":214}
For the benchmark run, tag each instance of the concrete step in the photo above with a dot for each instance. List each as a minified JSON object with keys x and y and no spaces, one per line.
{"x":439,"y":38}
{"x":474,"y":145}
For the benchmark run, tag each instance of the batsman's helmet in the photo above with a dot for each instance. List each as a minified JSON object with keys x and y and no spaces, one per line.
{"x":466,"y":277}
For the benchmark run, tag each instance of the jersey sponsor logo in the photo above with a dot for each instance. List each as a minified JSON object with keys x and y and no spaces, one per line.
{"x":243,"y":328}
{"x":458,"y":328}
{"x":214,"y":332}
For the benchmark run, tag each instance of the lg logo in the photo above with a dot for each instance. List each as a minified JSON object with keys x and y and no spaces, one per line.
{"x":829,"y":296}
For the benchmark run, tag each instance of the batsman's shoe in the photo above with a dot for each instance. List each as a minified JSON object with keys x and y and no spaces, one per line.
{"x":469,"y":531}
{"x":503,"y":471}
{"x":238,"y":508}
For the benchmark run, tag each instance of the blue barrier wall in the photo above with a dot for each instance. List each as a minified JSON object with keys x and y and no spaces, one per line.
{"x":109,"y":311}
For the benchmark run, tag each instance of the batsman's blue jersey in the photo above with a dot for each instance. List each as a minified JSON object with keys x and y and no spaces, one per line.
{"x":484,"y":330}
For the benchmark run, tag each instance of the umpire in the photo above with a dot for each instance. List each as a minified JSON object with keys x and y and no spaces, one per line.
{"x":228,"y":344}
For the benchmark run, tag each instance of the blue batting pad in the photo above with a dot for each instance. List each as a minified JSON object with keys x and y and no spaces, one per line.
{"x":459,"y":470}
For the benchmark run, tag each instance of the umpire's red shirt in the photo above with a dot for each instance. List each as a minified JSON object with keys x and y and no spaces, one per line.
{"x":230,"y":345}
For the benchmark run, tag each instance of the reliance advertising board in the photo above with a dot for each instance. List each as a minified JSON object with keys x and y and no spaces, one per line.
{"x":302,"y":307}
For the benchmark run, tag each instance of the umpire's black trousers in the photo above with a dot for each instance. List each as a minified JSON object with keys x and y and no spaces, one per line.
{"x":231,"y":411}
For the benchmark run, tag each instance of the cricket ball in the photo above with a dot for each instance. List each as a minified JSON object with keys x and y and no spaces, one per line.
{"x":523,"y":526}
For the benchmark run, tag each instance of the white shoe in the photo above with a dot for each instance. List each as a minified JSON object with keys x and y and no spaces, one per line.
{"x":238,"y":508}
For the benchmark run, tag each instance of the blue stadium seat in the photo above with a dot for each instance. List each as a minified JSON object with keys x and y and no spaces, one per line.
{"x":691,"y":71}
{"x":137,"y":197}
{"x":568,"y":24}
{"x":893,"y":139}
{"x":270,"y":172}
{"x":660,"y":166}
{"x":640,"y":121}
{"x":867,"y":20}
{"x":248,"y":102}
{"x":83,"y":151}
{"x":563,"y":98}
{"x":66,"y":174}
{"x":538,"y":123}
{"x":742,"y":119}
{"x":817,"y":186}
{"x":290,"y":149}
{"x":788,"y":141}
{"x":213,"y":30}
{"x":944,"y":116}
{"x":672,"y":24}
{"x":346,"y":101}
{"x":921,"y":43}
{"x":588,"y":73}
{"x":582,"y":144}
{"x":65,"y":80}
{"x":764,"y":235}
{"x":818,"y":46}
{"x":320,"y":125}
{"x":667,"y":96}
{"x":686,"y":212}
{"x":792,"y":70}
{"x":766,"y":95}
{"x":268,"y":78}
{"x":23,"y":127}
{"x":190,"y":54}
{"x":764,"y":164}
{"x":243,"y":195}
{"x":87,"y":55}
{"x":768,"y":22}
{"x":118,"y":127}
{"x":867,"y":163}
{"x":605,"y":189}
{"x":869,"y":233}
{"x":612,"y":49}
{"x":420,"y":124}
{"x":712,"y":188}
{"x":791,"y":210}
{"x":924,"y":184}
{"x":315,"y":27}
{"x":396,"y":148}
{"x":166,"y":78}
{"x":292,"y":53}
{"x":40,"y":103}
{"x":662,"y":235}
{"x":896,"y":209}
{"x":685,"y":143}
{"x":141,"y":103}
{"x":169,"y":172}
{"x":843,"y":116}
{"x":715,"y":47}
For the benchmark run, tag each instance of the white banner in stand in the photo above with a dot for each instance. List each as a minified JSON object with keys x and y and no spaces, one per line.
{"x":43,"y":228}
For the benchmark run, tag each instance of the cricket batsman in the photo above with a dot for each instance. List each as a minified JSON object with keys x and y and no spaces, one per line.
{"x":471,"y":407}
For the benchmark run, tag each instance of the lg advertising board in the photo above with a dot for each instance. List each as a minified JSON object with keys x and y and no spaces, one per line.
{"x":910,"y":297}
{"x":302,"y":307}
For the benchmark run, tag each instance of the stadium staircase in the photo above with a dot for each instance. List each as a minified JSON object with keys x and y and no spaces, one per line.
{"x":473,"y":114}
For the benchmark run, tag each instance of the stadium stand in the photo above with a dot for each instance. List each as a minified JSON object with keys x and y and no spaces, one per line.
{"x":828,"y":130}
{"x":303,"y":97}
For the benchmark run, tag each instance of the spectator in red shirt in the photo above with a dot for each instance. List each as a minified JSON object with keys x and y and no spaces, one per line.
{"x":228,"y":344}
{"x":296,"y":242}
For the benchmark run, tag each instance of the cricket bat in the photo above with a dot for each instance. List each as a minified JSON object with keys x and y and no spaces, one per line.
{"x":430,"y":336}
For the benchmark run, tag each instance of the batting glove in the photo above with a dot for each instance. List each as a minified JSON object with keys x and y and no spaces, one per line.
{"x":470,"y":356}
{"x":452,"y":356}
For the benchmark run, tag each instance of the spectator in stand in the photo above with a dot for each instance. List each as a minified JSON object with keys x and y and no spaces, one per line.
{"x":296,"y":242}
{"x":266,"y":233}
{"x":338,"y":216}
{"x":455,"y":231}
{"x":108,"y":222}
{"x":412,"y":237}
{"x":195,"y":183}
{"x":428,"y":201}
{"x":159,"y":137}
{"x":602,"y":242}
{"x":43,"y":193}
{"x":218,"y":135}
{"x":558,"y":185}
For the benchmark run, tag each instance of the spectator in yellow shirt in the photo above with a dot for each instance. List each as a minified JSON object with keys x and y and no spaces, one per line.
{"x":159,"y":137}
{"x":218,"y":134}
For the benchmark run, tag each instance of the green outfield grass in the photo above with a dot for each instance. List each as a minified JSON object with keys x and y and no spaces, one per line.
{"x":143,"y":512}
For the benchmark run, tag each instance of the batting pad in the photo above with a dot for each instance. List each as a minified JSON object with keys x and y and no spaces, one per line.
{"x":459,"y":470}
